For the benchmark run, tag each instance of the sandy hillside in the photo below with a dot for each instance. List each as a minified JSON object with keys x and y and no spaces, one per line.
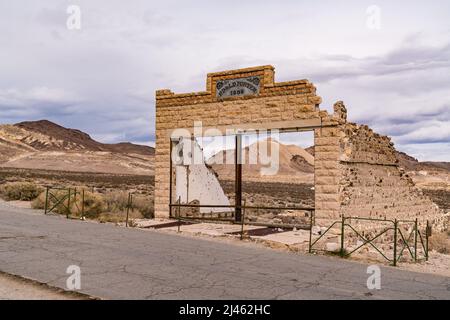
{"x":46,"y":145}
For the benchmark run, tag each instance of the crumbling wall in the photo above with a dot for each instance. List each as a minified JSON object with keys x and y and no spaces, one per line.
{"x":373,"y":185}
{"x":359,"y":143}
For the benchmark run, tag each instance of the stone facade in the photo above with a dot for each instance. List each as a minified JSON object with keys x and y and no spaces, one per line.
{"x":356,"y":171}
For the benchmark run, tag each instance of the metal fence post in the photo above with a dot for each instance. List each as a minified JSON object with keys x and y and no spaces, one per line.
{"x":242,"y":221}
{"x":395,"y":242}
{"x":75,"y":199}
{"x":415,"y":240}
{"x":82,"y":204}
{"x":178,"y":213}
{"x":128,"y":209}
{"x":68,"y":205}
{"x":46,"y":200}
{"x":342,"y":235}
{"x":310,"y":230}
{"x":427,"y":234}
{"x":238,"y":177}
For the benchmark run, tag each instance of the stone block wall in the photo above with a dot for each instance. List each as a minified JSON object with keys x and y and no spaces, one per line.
{"x":327,"y":172}
{"x":285,"y":103}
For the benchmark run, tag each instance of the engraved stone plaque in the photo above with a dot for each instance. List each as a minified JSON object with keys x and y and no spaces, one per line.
{"x":238,"y":87}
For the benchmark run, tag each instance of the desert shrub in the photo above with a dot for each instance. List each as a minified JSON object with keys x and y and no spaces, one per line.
{"x":145,"y":205}
{"x":94,"y":204}
{"x":116,"y":201}
{"x":39,"y":202}
{"x":440,"y":242}
{"x":25,"y":191}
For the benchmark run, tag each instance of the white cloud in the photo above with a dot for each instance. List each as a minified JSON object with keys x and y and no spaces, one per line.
{"x":432,"y":131}
{"x":14,"y":97}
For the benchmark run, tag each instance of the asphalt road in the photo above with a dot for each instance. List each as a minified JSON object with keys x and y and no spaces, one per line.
{"x":120,"y":263}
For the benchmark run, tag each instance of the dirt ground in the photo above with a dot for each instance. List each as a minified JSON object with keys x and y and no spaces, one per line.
{"x":439,"y":196}
{"x":437,"y":263}
{"x":281,"y":194}
{"x":88,"y":161}
{"x":99,"y":181}
{"x":16,"y":288}
{"x":274,"y":194}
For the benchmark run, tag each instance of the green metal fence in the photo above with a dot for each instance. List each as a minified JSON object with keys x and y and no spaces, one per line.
{"x":65,"y":200}
{"x":129,"y":207}
{"x":411,"y":243}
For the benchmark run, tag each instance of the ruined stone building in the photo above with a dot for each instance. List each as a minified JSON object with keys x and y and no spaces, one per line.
{"x":356,"y":170}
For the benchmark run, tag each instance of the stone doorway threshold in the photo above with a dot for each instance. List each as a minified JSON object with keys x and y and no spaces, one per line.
{"x":281,"y":236}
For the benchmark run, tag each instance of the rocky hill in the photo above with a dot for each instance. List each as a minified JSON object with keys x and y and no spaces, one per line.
{"x":412,"y":164}
{"x":47,"y":145}
{"x":46,"y":135}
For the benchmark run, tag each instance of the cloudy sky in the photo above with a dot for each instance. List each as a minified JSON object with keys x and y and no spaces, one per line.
{"x":389,"y":62}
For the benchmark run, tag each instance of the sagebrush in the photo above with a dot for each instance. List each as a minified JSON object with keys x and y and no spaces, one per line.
{"x":24,"y":191}
{"x":107,"y":207}
{"x":440,"y":242}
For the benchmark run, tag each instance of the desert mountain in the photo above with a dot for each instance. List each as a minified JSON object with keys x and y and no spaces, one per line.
{"x":428,"y":174}
{"x":46,"y":145}
{"x":412,"y":164}
{"x":294,"y":163}
{"x":71,"y":139}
